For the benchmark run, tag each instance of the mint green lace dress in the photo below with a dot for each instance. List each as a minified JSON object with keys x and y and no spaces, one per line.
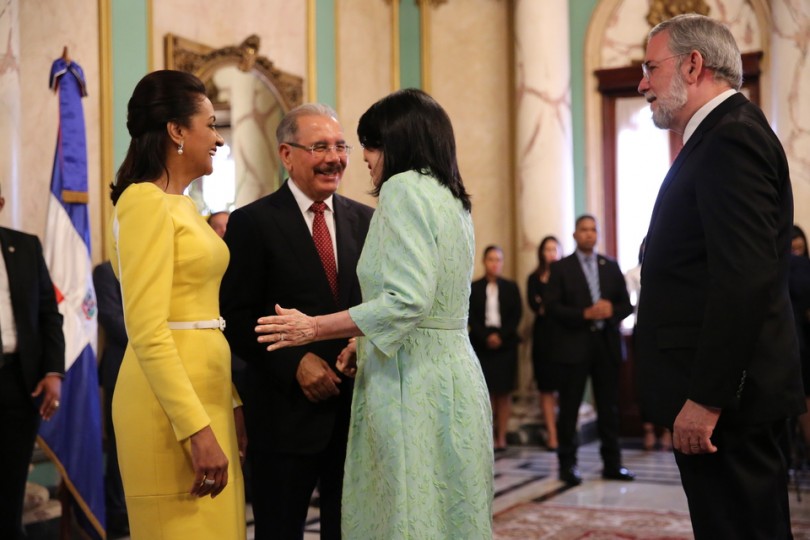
{"x":419,"y":463}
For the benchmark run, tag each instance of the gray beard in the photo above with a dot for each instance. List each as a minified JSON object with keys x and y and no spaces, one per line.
{"x":664,"y":114}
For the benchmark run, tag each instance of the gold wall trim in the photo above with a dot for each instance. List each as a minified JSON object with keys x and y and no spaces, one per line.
{"x":395,"y":45}
{"x":105,"y":97}
{"x":312,"y":81}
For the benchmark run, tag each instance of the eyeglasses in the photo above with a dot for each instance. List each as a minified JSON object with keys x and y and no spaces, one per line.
{"x":320,"y":149}
{"x":646,"y":67}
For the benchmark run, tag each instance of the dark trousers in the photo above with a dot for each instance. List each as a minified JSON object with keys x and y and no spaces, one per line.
{"x":604,"y":373}
{"x":740,"y":491}
{"x":19,"y":422}
{"x":283,"y":486}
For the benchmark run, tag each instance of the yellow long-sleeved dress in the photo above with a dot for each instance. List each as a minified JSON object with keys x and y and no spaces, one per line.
{"x":172,"y":383}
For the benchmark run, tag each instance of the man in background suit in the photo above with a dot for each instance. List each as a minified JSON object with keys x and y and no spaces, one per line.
{"x":586,"y":300}
{"x":718,"y":355}
{"x":32,"y":364}
{"x":111,"y":319}
{"x":297,"y":404}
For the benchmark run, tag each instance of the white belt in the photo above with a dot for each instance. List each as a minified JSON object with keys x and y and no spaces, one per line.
{"x":192,"y":325}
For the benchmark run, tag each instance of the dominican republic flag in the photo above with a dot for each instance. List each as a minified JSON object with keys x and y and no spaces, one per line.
{"x":72,"y":438}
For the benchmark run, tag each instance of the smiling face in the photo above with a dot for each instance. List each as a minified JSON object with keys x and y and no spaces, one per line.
{"x":318,"y":176}
{"x":200,"y":140}
{"x":665,"y":90}
{"x":374,"y":160}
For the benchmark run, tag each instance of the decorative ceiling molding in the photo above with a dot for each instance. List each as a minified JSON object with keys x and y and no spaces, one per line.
{"x":662,"y":10}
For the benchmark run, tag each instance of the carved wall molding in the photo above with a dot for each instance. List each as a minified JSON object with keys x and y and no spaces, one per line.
{"x":662,"y":10}
{"x":201,"y":60}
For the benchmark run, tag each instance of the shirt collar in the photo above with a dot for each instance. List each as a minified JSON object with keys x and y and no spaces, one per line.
{"x":584,"y":258}
{"x":704,"y":111}
{"x":303,"y":201}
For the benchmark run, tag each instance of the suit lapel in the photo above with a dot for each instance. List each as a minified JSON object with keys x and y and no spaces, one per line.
{"x":11,"y":257}
{"x":348,"y":252}
{"x":706,"y":125}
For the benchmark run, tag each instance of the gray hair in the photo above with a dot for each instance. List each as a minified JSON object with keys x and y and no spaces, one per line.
{"x":711,"y":38}
{"x":287,"y":130}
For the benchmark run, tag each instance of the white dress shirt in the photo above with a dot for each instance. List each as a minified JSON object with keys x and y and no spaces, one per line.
{"x":304,"y":203}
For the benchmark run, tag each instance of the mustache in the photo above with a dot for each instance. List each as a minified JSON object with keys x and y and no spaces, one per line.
{"x":330,"y":169}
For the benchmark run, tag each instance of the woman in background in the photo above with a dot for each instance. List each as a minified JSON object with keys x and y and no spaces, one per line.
{"x":419,"y":459}
{"x":173,"y":407}
{"x":495,"y":310}
{"x":547,"y":253}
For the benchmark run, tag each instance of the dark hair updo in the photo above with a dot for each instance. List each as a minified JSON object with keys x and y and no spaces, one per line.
{"x":159,"y":98}
{"x":414,"y":133}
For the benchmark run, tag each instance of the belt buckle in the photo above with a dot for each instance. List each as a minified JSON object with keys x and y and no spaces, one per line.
{"x":221,"y":324}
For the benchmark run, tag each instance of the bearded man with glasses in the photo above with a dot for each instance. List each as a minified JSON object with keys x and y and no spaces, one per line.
{"x":717,"y":352}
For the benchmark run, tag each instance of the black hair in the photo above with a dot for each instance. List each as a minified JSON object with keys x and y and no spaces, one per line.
{"x":415,"y":134}
{"x":159,"y":98}
{"x":491,"y":247}
{"x":542,"y":265}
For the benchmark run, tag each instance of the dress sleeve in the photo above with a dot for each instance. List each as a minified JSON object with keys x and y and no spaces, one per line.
{"x":144,"y":231}
{"x":408,"y":265}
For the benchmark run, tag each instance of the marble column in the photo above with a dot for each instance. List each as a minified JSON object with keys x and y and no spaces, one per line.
{"x":10,"y":110}
{"x":544,"y":184}
{"x":790,"y":86}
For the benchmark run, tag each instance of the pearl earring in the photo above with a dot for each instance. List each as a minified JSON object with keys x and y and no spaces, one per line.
{"x":180,"y":149}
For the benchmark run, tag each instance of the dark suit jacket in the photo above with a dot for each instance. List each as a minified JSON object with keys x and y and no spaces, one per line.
{"x":40,"y":342}
{"x":511,"y":310}
{"x":274,"y":261}
{"x":567,"y":295}
{"x":714,"y":318}
{"x":111,"y":318}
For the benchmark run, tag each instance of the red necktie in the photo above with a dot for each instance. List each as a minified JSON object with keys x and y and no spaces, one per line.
{"x":323,"y":243}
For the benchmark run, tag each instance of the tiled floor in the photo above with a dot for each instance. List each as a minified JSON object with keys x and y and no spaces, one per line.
{"x":530,"y":473}
{"x":525,"y":473}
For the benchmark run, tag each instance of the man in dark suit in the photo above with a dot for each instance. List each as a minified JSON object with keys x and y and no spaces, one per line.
{"x":297,"y":404}
{"x":111,"y":319}
{"x":586,"y":300}
{"x":718,"y":358}
{"x":32,"y":364}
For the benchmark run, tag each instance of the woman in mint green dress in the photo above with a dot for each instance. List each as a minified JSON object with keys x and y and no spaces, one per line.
{"x":419,"y":461}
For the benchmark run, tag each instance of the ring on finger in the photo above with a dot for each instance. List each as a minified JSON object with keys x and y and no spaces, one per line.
{"x":208,"y":481}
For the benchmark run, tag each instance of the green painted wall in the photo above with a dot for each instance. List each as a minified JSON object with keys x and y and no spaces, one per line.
{"x":410,"y":61}
{"x":579,"y":16}
{"x":325,"y":62}
{"x":130,"y":62}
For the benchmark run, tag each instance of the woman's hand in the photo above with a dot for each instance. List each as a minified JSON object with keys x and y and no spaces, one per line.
{"x":241,"y":433}
{"x":347,"y":359}
{"x":210,"y":464}
{"x":288,"y":328}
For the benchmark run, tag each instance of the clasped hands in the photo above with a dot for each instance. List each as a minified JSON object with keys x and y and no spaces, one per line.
{"x":601,"y":310}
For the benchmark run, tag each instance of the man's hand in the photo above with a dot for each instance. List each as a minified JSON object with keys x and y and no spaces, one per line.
{"x":494,"y":341}
{"x":693,"y":428}
{"x":347,"y":359}
{"x":318,"y":381}
{"x":601,"y":310}
{"x":51,"y":389}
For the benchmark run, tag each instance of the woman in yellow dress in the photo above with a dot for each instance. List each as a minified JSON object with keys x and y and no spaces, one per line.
{"x":174,"y":408}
